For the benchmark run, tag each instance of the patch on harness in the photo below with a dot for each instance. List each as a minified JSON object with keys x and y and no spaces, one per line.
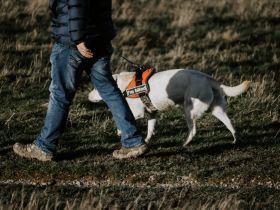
{"x":136,"y":90}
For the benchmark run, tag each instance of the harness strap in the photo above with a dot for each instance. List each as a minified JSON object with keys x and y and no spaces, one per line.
{"x":148,"y":103}
{"x":139,"y":76}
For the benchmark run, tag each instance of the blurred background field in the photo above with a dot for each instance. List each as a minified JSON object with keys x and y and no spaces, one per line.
{"x":230,"y":40}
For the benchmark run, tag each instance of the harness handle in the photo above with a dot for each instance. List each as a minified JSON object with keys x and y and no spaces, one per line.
{"x":139,"y":67}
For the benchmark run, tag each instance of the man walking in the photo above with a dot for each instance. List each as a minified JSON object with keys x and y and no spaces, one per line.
{"x":83,"y":31}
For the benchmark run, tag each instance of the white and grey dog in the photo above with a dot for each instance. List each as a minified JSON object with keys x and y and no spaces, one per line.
{"x":196,"y":91}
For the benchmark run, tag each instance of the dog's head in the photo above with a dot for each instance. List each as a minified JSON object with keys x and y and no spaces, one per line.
{"x":94,"y":95}
{"x":122,"y":79}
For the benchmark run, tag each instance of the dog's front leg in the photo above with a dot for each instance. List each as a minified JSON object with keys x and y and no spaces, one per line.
{"x":151,"y":126}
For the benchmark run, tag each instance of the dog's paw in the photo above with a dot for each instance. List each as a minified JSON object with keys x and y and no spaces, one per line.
{"x":147,"y":140}
{"x":186,"y":144}
{"x":235,"y":137}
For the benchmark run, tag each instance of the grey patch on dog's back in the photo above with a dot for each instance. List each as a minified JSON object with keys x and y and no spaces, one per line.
{"x":186,"y":82}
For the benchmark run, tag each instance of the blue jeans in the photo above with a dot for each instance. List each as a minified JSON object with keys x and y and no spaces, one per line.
{"x":67,"y":66}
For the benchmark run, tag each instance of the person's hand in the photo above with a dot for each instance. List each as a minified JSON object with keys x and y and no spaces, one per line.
{"x":87,"y":53}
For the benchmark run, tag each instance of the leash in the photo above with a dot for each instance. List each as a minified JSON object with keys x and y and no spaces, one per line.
{"x":141,"y":89}
{"x":139,"y":70}
{"x":131,"y":63}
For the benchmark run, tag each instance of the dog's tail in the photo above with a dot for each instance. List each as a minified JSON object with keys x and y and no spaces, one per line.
{"x":236,"y":90}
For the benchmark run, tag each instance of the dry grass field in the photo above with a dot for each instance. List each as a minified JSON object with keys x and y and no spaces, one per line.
{"x":232,"y":40}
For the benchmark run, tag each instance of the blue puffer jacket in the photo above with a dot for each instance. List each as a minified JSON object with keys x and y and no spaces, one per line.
{"x":75,"y":21}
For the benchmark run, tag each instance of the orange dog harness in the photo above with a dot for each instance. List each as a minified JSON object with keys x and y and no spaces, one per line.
{"x":139,"y":87}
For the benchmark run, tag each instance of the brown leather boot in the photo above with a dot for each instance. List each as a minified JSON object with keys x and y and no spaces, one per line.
{"x":31,"y":151}
{"x":130,"y":152}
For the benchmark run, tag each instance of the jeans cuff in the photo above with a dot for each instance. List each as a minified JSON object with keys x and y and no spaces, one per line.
{"x":42,"y":147}
{"x":134,"y":142}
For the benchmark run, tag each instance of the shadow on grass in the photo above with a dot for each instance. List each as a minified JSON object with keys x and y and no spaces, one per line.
{"x":176,"y":148}
{"x":213,"y":149}
{"x":5,"y":150}
{"x":9,"y":27}
{"x":72,"y":155}
{"x":217,"y":145}
{"x":165,"y":153}
{"x":167,"y":147}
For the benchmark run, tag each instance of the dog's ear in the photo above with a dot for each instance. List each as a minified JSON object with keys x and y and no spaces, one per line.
{"x":115,"y":77}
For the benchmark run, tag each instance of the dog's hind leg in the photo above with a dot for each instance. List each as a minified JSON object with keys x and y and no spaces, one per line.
{"x":192,"y":129}
{"x":187,"y":108}
{"x":218,"y":110}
